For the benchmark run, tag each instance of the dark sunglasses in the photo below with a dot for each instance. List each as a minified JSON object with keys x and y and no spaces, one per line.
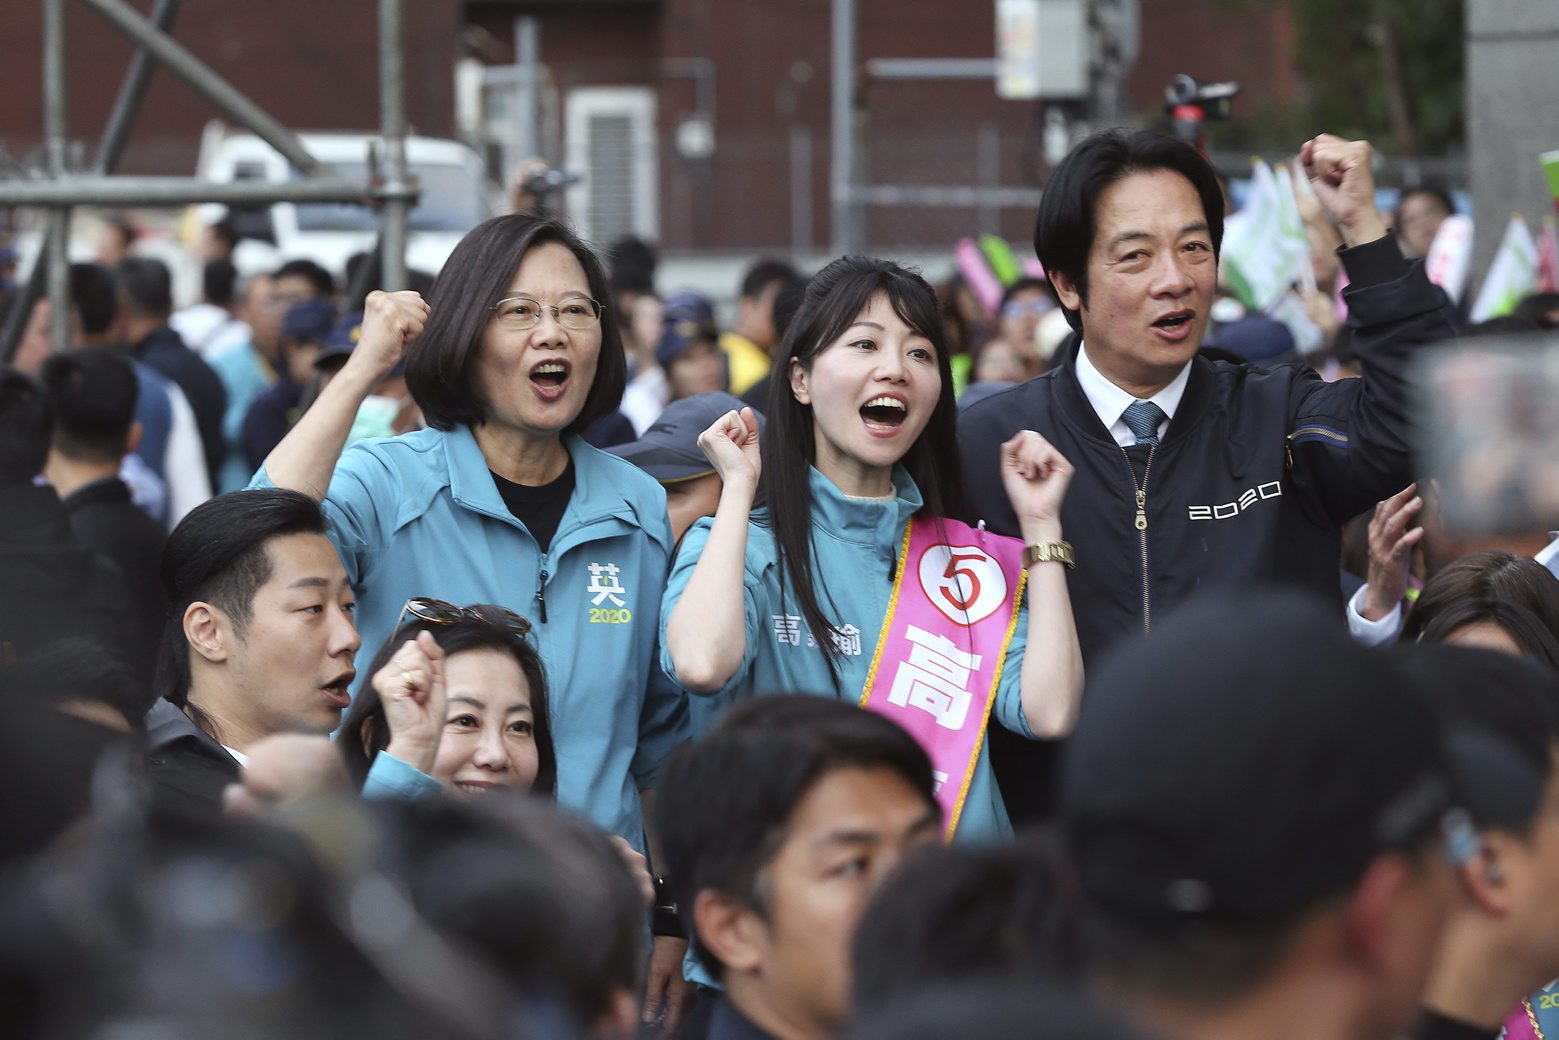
{"x":438,"y":612}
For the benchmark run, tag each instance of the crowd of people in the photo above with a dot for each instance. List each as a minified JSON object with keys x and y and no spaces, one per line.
{"x":523,"y":655}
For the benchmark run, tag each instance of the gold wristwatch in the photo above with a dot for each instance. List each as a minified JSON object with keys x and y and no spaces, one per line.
{"x":1045,"y":552}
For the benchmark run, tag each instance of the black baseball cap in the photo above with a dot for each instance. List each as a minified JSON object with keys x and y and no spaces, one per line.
{"x":1243,"y":762}
{"x":669,"y":450}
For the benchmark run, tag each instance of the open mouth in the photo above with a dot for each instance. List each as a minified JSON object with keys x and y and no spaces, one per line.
{"x":339,"y":691}
{"x":885,"y":414}
{"x":549,"y":378}
{"x":1176,"y":320}
{"x":470,"y":787}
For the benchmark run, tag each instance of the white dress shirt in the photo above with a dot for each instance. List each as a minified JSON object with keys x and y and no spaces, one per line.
{"x":1111,"y":402}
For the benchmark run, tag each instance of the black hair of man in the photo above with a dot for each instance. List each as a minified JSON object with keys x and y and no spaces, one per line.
{"x":93,"y":392}
{"x":26,"y":427}
{"x":1025,"y":284}
{"x":1434,"y":191}
{"x":317,"y":277}
{"x":766,"y":272}
{"x":1501,"y":713}
{"x":217,"y":554}
{"x":217,"y":282}
{"x":94,"y":295}
{"x":225,"y":231}
{"x":146,"y":286}
{"x":1030,"y":1009}
{"x":724,"y":802}
{"x":952,"y":914}
{"x":539,"y":895}
{"x":1064,"y":228}
{"x":630,"y":265}
{"x":75,"y":671}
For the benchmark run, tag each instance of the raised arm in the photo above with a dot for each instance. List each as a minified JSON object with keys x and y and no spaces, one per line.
{"x":706,"y":634}
{"x":306,"y":457}
{"x":1036,"y":476}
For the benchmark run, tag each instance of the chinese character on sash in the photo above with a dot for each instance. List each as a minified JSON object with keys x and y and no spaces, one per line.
{"x":935,"y":678}
{"x":847,"y":641}
{"x":787,"y":629}
{"x":604,"y":585}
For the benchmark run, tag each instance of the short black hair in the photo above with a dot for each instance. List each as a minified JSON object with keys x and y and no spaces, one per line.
{"x":487,"y":632}
{"x":724,"y":803}
{"x":217,"y":554}
{"x":954,"y":913}
{"x":317,"y":277}
{"x":1064,"y":229}
{"x":75,"y":669}
{"x":631,"y":263}
{"x":765,"y":272}
{"x":1434,"y":191}
{"x":787,"y":304}
{"x":217,"y":280}
{"x":146,"y":286}
{"x":94,"y":294}
{"x":26,"y":427}
{"x":1027,"y":283}
{"x":441,"y":362}
{"x":93,"y":392}
{"x":225,"y":230}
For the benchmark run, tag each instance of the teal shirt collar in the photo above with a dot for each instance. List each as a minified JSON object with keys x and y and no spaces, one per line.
{"x":864,"y":522}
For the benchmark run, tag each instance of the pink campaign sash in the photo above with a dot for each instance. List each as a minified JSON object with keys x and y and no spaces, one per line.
{"x":944,"y":640}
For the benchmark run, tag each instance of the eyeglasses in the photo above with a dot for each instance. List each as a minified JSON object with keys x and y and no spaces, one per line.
{"x":438,"y":612}
{"x":521,"y":313}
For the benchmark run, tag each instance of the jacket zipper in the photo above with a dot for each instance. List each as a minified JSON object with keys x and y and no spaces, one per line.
{"x":541,"y":595}
{"x":1141,"y":523}
{"x":1288,"y":442}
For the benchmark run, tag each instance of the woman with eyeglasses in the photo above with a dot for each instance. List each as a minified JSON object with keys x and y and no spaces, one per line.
{"x":459,"y":695}
{"x":501,"y":501}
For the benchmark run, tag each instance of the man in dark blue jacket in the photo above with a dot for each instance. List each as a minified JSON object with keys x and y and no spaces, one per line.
{"x":1195,"y":474}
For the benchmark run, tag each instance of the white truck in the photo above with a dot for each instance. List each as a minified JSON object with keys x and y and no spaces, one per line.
{"x":456,"y":196}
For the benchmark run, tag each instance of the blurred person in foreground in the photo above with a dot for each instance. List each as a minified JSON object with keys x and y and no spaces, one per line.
{"x":1502,"y":940}
{"x":777,"y":826}
{"x":1284,"y":867}
{"x":1196,"y":475}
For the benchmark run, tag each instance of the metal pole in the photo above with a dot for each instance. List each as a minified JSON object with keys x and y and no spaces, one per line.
{"x":527,"y":56}
{"x":392,"y":113}
{"x":109,"y":150}
{"x":176,"y":191}
{"x":800,"y":189}
{"x":205,"y":81}
{"x":847,"y":237}
{"x":55,"y":111}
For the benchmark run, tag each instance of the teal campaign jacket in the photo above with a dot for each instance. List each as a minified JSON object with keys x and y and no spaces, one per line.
{"x":855,"y":547}
{"x":419,"y":515}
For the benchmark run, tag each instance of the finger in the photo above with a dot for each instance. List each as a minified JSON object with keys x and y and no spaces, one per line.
{"x":750,"y":420}
{"x":654,"y":992}
{"x":1402,"y":496}
{"x":428,"y":646}
{"x":1407,"y":541}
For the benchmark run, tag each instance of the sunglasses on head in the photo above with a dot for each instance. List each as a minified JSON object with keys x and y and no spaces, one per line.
{"x":438,"y":612}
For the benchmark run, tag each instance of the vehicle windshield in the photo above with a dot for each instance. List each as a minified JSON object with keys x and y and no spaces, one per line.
{"x":452,"y":200}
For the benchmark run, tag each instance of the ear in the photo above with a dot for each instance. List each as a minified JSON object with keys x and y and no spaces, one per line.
{"x":133,"y":441}
{"x":1368,"y":916}
{"x":1487,"y":877}
{"x":733,"y":932}
{"x":207,"y":630}
{"x":798,"y":382}
{"x":1066,"y":291}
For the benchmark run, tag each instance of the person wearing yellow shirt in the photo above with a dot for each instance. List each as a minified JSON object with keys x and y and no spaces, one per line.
{"x":747,"y":347}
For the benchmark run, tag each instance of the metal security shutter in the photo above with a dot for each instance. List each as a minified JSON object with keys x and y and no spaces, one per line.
{"x":611,"y":143}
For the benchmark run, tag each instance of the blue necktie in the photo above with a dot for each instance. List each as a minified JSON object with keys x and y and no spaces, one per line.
{"x":1142,"y":419}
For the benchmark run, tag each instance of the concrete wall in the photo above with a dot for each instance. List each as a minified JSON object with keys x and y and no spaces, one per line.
{"x":1512,"y":113}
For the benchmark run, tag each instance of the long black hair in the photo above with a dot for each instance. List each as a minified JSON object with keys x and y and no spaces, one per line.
{"x":834,"y":299}
{"x":365,"y":732}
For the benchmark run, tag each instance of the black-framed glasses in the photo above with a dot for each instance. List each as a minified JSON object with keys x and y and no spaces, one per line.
{"x":439,"y":612}
{"x":521,"y":313}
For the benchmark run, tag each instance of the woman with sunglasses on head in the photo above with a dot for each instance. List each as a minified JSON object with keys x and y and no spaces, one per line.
{"x":501,"y":501}
{"x":457,"y":696}
{"x":853,"y":582}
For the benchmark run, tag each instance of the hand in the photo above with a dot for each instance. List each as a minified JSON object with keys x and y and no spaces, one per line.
{"x":1339,"y":171}
{"x":411,"y":688}
{"x":1391,"y":550}
{"x":731,"y":446}
{"x":284,"y":769}
{"x":667,"y":995}
{"x":390,"y":322}
{"x":1321,"y":310}
{"x":1036,"y":476}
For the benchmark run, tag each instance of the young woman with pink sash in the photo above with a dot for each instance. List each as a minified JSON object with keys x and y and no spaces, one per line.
{"x":852,"y":582}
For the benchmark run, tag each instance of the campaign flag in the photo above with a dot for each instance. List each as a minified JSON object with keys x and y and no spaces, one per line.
{"x":1548,"y":258}
{"x":1264,"y":244}
{"x":1450,"y":256}
{"x":1550,"y":161}
{"x":1512,"y":275}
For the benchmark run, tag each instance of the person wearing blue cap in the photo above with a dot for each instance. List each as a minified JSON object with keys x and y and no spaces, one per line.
{"x":303,"y":333}
{"x":689,"y":351}
{"x":386,"y":412}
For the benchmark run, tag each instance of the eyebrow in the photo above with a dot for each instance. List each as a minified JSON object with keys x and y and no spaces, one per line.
{"x":930,"y":821}
{"x":867,"y":324}
{"x":462,"y":699}
{"x":1138,"y":236}
{"x":315,"y":582}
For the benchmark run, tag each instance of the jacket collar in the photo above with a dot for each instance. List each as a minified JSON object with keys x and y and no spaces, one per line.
{"x":104,"y":490}
{"x":167,"y":724}
{"x":1081,"y":410}
{"x":863,"y":521}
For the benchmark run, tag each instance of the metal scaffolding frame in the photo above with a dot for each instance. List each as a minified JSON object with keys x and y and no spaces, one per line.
{"x":60,"y":190}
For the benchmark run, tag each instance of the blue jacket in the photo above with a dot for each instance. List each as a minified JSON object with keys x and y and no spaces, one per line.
{"x":419,"y":515}
{"x":855,"y":546}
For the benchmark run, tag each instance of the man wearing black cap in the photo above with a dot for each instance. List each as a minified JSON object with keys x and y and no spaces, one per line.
{"x":1257,"y":812}
{"x":1501,"y":943}
{"x":669,"y":452}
